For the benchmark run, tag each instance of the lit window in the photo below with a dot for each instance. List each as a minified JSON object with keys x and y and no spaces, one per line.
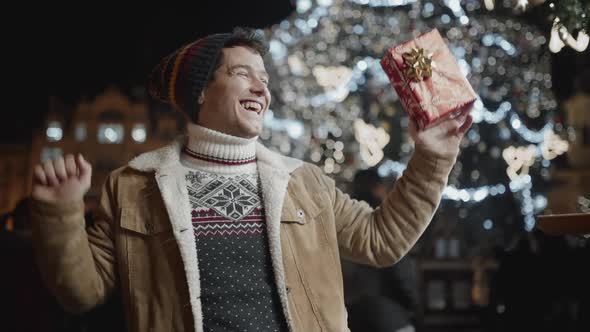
{"x":80,"y":132}
{"x":54,"y":131}
{"x":110,"y":133}
{"x":50,"y":153}
{"x":440,"y":248}
{"x":138,"y":133}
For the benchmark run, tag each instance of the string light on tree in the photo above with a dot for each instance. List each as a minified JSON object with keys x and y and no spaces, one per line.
{"x":553,"y":145}
{"x":519,"y":159}
{"x":560,"y":37}
{"x":325,"y":59}
{"x":567,"y":16}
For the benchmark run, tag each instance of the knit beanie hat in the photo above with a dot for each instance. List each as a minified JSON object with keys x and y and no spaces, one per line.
{"x":180,"y":77}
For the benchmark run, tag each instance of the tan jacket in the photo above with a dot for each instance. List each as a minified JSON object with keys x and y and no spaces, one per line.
{"x":142,"y":243}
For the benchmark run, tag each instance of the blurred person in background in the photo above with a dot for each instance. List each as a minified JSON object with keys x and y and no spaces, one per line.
{"x":379,"y":299}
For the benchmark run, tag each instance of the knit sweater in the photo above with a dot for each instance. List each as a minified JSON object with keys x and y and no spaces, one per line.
{"x":238,"y":291}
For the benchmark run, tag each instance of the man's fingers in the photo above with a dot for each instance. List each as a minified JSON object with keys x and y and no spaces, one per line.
{"x":85,"y":170}
{"x":39,"y":175}
{"x":71,"y":168}
{"x":446,"y":127}
{"x":465,"y":111}
{"x":83,"y":165}
{"x":454,"y":125}
{"x":50,"y":173}
{"x":466,"y":125}
{"x":413,"y":127}
{"x":60,"y":169}
{"x":41,"y":192}
{"x":463,"y":115}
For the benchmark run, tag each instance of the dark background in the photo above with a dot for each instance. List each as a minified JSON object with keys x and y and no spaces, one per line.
{"x":77,"y":51}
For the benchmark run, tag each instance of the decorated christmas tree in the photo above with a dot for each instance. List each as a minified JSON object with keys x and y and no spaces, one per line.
{"x":335,"y":107}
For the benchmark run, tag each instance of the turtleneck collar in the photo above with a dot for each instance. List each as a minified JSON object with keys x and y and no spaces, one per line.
{"x":212,"y":151}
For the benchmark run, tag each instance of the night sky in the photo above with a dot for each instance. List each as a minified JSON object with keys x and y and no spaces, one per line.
{"x":79,"y":51}
{"x":76,"y":52}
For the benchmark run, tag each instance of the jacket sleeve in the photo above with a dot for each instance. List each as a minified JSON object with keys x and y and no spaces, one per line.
{"x":382,"y":236}
{"x":76,"y":262}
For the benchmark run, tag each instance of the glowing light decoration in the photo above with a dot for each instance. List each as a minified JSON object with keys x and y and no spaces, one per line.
{"x":54,"y":131}
{"x":553,"y":146}
{"x":293,"y":128}
{"x":371,"y":141}
{"x":332,"y":77}
{"x":522,"y":4}
{"x":138,"y":133}
{"x":297,"y":66}
{"x":383,"y":3}
{"x":560,"y":37}
{"x":450,"y":192}
{"x":519,"y":159}
{"x":326,"y":61}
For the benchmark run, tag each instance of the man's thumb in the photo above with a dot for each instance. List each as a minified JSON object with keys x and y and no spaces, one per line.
{"x":83,"y":166}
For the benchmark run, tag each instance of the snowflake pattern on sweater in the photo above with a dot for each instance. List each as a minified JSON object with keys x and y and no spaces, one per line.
{"x":231,"y":197}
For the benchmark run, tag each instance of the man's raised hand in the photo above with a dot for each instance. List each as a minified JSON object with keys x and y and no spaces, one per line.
{"x":62,"y":180}
{"x":444,"y":138}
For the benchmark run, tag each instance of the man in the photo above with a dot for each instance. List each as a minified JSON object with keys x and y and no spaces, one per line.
{"x":215,"y":232}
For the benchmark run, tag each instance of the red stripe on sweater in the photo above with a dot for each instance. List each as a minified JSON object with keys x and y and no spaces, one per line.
{"x":199,"y":156}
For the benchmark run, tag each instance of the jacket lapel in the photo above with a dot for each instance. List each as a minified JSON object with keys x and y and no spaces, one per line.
{"x":172,"y":186}
{"x":274,"y":174}
{"x":169,"y":174}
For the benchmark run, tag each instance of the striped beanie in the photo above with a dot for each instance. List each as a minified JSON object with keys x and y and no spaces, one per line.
{"x":181,"y":76}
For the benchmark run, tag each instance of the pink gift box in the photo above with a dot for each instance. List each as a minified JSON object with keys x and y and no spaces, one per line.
{"x":428,"y":81}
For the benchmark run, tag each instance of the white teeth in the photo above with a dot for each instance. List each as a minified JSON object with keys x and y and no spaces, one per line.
{"x":252,"y":106}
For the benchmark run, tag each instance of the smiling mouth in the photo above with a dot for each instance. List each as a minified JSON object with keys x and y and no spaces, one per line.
{"x":252,"y":106}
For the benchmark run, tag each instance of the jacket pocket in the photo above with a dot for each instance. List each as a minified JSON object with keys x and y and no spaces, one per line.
{"x":147,"y":234}
{"x":149,"y":262}
{"x":300,"y":209}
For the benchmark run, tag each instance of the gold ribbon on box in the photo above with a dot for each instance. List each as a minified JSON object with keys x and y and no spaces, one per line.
{"x":418,"y":64}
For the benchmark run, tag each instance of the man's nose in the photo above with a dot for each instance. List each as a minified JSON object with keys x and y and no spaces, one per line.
{"x":257,"y":86}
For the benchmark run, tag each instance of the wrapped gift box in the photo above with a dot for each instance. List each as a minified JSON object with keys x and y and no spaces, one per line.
{"x":427,"y":79}
{"x":565,"y":224}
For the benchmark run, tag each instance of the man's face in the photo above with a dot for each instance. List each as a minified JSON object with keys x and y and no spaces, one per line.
{"x":237,"y":97}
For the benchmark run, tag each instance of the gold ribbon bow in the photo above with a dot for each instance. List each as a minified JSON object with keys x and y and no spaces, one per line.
{"x":418,"y":64}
